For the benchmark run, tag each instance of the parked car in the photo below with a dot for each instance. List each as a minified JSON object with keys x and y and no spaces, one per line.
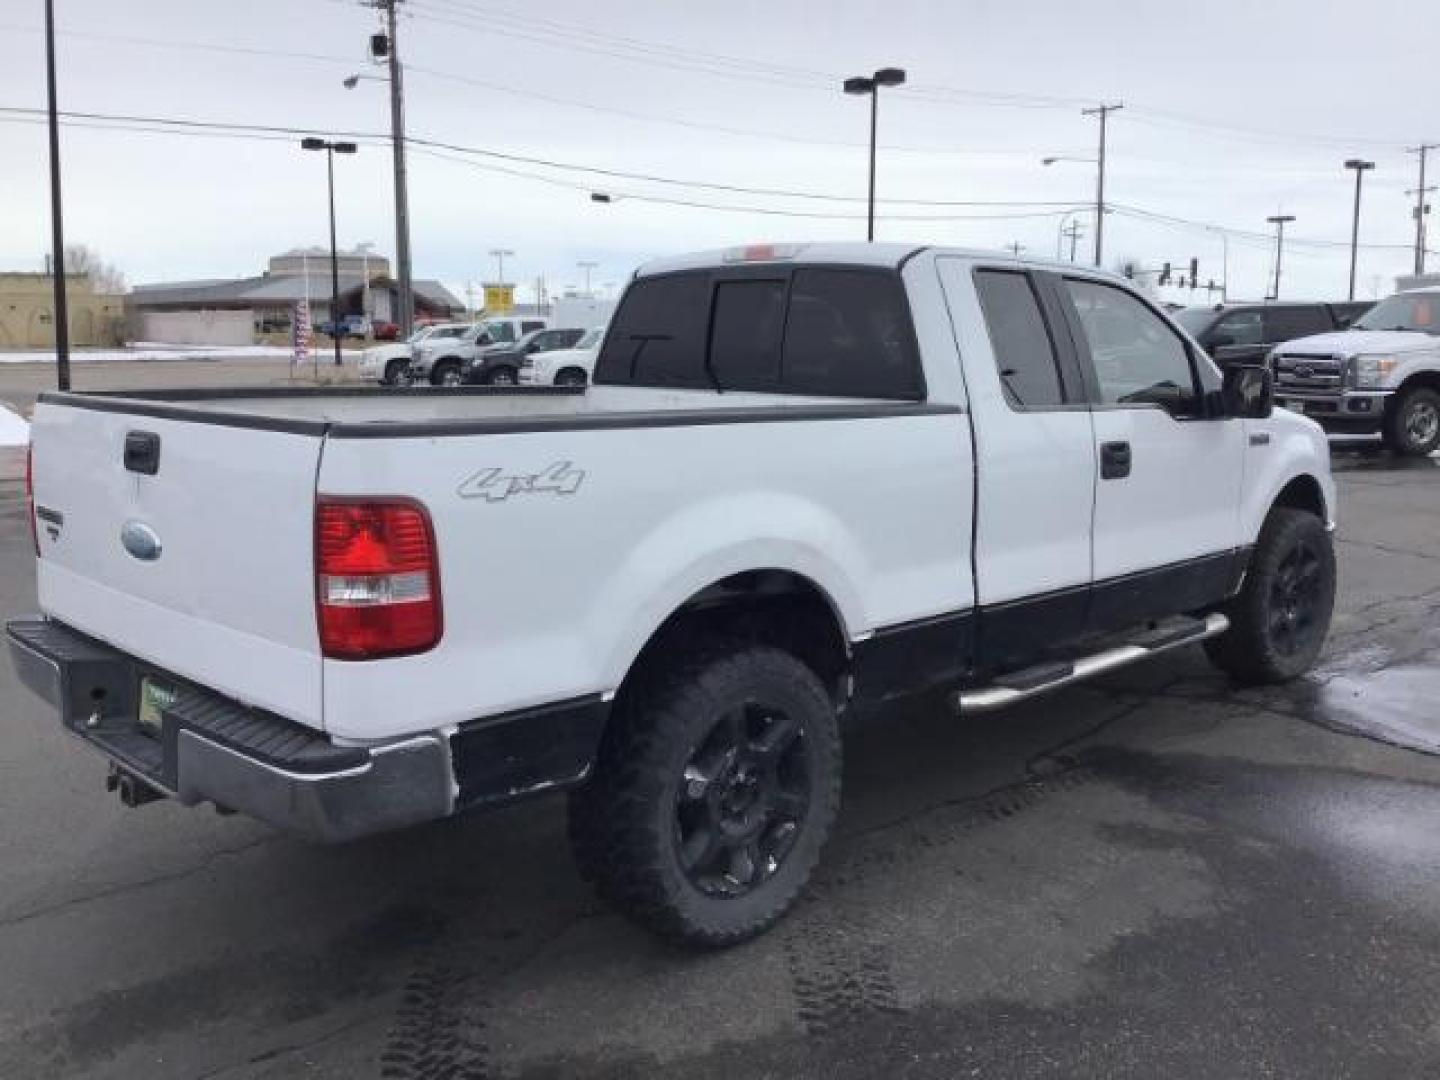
{"x":1382,"y":376}
{"x":349,"y":326}
{"x":381,"y":330}
{"x":807,"y":481}
{"x":564,"y":367}
{"x":387,"y":363}
{"x":1245,"y":333}
{"x":500,"y":365}
{"x":441,"y":361}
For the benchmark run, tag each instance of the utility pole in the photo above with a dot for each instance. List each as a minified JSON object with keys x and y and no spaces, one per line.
{"x":1103,"y":112}
{"x":1421,"y":207}
{"x":499,"y":254}
{"x":1015,"y":247}
{"x":1074,"y":231}
{"x":397,"y":148}
{"x":1279,"y":221}
{"x":57,"y":219}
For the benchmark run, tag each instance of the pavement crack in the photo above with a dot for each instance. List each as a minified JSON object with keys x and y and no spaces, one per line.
{"x":133,"y":886}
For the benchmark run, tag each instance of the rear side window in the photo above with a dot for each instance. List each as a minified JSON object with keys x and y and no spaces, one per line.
{"x":1024,"y":352}
{"x":658,"y":336}
{"x":1289,"y":323}
{"x":848,"y":334}
{"x":531,"y":324}
{"x":745,"y":334}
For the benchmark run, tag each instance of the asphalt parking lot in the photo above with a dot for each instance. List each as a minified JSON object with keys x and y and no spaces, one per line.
{"x":1155,"y":875}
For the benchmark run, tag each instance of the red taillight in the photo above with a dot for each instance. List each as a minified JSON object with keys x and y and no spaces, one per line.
{"x":377,"y":582}
{"x":30,"y":496}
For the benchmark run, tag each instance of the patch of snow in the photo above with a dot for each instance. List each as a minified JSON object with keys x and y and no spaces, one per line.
{"x":13,"y":430}
{"x":158,"y":351}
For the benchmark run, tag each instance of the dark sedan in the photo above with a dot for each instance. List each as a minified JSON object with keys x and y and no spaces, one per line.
{"x":500,"y":365}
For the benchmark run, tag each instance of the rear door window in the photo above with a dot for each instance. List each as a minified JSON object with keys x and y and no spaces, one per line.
{"x":1289,"y":323}
{"x":1024,"y":351}
{"x":1237,"y":328}
{"x":531,"y":324}
{"x":848,"y":334}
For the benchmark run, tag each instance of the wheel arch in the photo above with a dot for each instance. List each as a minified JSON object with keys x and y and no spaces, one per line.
{"x":1430,"y":380}
{"x":1303,"y":492}
{"x":774,"y":605}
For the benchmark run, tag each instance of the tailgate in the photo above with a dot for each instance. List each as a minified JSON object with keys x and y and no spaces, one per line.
{"x":205,"y":568}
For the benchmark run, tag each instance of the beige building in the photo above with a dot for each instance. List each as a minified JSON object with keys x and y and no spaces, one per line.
{"x":27,"y":316}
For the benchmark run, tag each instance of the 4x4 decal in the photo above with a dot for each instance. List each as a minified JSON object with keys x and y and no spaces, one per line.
{"x":562,"y":478}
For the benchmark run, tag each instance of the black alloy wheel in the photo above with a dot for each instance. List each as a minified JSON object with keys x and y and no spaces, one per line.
{"x":742,"y":800}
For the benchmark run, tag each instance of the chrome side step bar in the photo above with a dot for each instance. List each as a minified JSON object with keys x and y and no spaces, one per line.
{"x":999,"y":696}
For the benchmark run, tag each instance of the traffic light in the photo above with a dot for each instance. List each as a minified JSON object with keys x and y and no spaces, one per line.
{"x":379,"y":46}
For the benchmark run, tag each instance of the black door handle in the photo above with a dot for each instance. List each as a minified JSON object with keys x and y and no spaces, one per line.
{"x":1114,"y":460}
{"x":142,"y":452}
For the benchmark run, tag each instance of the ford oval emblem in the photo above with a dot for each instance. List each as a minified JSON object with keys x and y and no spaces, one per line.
{"x":140,"y":540}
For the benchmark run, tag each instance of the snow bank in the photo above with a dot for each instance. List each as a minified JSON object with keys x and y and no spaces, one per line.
{"x":149,"y":350}
{"x":13,"y":430}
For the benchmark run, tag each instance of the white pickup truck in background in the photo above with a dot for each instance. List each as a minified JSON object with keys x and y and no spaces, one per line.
{"x":1379,"y":377}
{"x":807,"y":481}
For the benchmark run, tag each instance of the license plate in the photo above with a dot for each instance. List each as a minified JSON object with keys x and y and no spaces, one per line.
{"x":155,"y":698}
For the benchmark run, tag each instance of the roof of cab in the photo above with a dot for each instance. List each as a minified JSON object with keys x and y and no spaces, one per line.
{"x":888,"y":255}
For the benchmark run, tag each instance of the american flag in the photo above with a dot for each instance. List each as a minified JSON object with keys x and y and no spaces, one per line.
{"x":300,"y":332}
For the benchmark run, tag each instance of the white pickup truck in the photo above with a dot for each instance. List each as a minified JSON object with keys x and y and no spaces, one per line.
{"x":807,"y":480}
{"x":1381,"y":376}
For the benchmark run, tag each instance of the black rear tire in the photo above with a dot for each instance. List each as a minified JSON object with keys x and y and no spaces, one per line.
{"x":502,"y":376}
{"x":571,"y":377}
{"x":394,"y":372}
{"x":716,"y":785}
{"x":1279,"y":619}
{"x":1412,"y":424}
{"x":446,"y":373}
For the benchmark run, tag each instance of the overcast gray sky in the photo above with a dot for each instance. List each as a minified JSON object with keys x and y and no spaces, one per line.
{"x":1233,"y":110}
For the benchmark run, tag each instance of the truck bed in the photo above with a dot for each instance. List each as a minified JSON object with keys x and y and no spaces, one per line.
{"x":408,"y":412}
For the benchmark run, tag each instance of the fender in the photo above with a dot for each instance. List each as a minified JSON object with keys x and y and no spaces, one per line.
{"x":1296,"y":448}
{"x":706,"y":543}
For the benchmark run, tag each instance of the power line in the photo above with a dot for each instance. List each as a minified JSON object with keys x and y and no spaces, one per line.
{"x":564,"y":166}
{"x":1242,"y":235}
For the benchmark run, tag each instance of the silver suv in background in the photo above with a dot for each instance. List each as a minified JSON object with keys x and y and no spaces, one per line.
{"x":440,"y":359}
{"x":1381,"y":376}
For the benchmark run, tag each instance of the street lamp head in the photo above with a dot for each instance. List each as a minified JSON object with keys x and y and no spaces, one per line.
{"x":1049,"y":160}
{"x":312,"y":143}
{"x":859,"y":85}
{"x":352,"y":81}
{"x":1359,"y":165}
{"x":601,"y":197}
{"x":344,"y":147}
{"x":889,"y":77}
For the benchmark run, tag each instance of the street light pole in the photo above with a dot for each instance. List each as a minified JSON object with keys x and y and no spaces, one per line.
{"x":863,"y":84}
{"x":1421,"y":206}
{"x":1279,"y":221}
{"x":57,"y":218}
{"x":331,"y":149}
{"x":1103,"y":112}
{"x":1359,"y":168}
{"x":587,"y":267}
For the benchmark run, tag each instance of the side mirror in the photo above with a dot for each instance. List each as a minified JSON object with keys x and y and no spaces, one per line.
{"x":1248,"y":392}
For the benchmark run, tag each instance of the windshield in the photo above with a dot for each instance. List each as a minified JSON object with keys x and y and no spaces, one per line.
{"x":500,"y":332}
{"x":591,"y":338}
{"x":448,"y":331}
{"x":420,"y":335}
{"x":1407,"y":311}
{"x":1195,"y":320}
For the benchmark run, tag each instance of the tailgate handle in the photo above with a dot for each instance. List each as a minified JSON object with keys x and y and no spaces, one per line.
{"x":142,"y":452}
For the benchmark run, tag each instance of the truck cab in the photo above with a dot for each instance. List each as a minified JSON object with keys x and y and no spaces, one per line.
{"x":1379,"y":377}
{"x":1236,"y":333}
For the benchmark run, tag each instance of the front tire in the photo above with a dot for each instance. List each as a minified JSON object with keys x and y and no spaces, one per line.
{"x":570,"y":377}
{"x":394,"y":372}
{"x":502,"y":376}
{"x":715,"y":788}
{"x":446,"y":373}
{"x":1279,"y":620}
{"x":1412,"y":426}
